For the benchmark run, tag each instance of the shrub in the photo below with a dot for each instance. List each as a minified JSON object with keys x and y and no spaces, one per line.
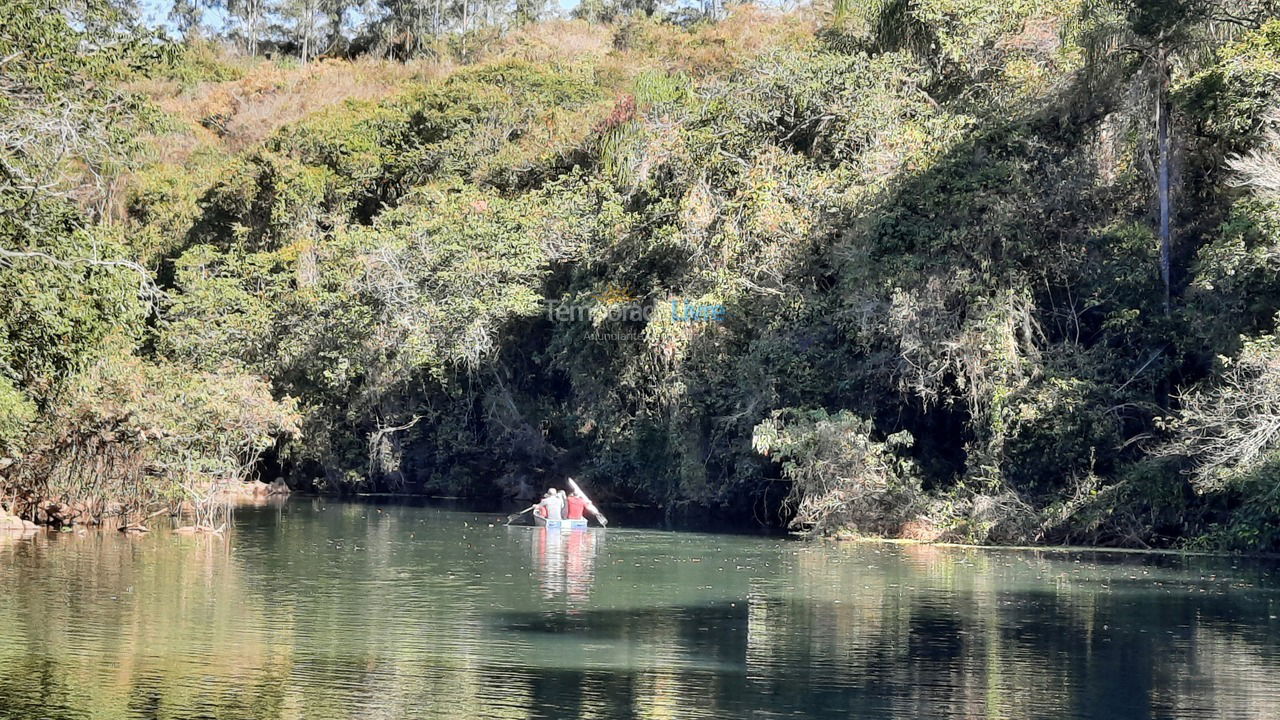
{"x":1230,"y":429}
{"x":16,"y":415}
{"x":128,"y":433}
{"x":842,"y":479}
{"x":1056,"y":431}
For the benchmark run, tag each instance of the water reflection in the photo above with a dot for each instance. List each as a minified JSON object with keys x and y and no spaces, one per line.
{"x":340,"y":610}
{"x":564,"y":560}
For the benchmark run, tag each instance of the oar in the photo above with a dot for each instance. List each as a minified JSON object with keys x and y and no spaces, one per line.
{"x":590,"y":505}
{"x":512,"y":518}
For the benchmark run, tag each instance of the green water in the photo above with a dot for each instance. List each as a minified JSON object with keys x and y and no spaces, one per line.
{"x":321,"y":609}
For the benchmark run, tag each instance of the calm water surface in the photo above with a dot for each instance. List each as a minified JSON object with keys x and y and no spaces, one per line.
{"x":320,"y":609}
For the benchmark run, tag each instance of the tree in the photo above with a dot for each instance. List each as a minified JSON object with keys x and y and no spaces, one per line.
{"x":305,"y":17}
{"x":841,"y":477}
{"x":336,"y":12}
{"x":74,"y":306}
{"x":1230,"y":429}
{"x":897,"y":25}
{"x":406,"y":24}
{"x":528,"y":11}
{"x":610,"y":10}
{"x":252,"y":15}
{"x":1161,"y":36}
{"x":187,"y":16}
{"x":1259,"y":170}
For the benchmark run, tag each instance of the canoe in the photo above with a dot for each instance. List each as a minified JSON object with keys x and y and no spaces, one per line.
{"x":565,"y":524}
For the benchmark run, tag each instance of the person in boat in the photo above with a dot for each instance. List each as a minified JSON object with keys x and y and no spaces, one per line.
{"x":552,"y":506}
{"x":576,"y":503}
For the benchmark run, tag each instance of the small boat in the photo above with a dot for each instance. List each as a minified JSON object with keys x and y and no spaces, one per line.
{"x":565,"y":524}
{"x":528,"y":517}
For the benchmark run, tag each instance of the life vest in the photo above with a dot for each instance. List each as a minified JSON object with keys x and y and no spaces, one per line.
{"x":576,"y":506}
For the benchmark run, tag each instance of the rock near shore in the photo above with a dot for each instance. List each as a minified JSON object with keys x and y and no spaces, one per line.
{"x":258,"y":489}
{"x":12,"y":523}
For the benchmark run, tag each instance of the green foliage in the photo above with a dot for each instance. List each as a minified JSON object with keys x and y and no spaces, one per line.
{"x":1230,"y":430}
{"x":16,"y":415}
{"x":164,"y":202}
{"x":464,"y":279}
{"x":218,"y":315}
{"x":94,"y":427}
{"x":66,"y":285}
{"x":192,"y":62}
{"x":131,"y":433}
{"x":1253,"y":521}
{"x":509,"y":123}
{"x":268,"y":201}
{"x":363,"y":144}
{"x":59,"y":310}
{"x":842,"y":479}
{"x":1231,"y":97}
{"x":927,"y":223}
{"x":1058,"y":431}
{"x":1235,"y":272}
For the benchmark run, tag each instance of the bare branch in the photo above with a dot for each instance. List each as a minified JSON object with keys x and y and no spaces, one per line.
{"x":147,"y":289}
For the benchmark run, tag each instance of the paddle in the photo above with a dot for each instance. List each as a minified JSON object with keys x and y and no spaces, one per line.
{"x":512,"y":518}
{"x":590,"y":505}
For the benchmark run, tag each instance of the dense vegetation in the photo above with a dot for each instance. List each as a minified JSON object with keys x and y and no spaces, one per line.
{"x":961,"y":269}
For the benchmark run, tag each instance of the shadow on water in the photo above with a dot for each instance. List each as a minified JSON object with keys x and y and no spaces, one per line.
{"x":697,"y":625}
{"x":33,"y":687}
{"x":1069,"y":638}
{"x":1042,"y":659}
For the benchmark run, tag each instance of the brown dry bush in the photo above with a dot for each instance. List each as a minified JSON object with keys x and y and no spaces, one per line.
{"x":716,"y":48}
{"x":242,"y":112}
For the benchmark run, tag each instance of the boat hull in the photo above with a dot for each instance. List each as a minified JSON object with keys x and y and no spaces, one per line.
{"x":566,"y":524}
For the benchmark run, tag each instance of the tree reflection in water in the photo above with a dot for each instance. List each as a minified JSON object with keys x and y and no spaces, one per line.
{"x":338,"y":610}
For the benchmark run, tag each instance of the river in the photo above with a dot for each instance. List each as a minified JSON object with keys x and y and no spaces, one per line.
{"x":326,"y":609}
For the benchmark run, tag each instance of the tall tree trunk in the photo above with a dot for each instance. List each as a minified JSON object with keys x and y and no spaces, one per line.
{"x":255,"y":12}
{"x":313,"y":29}
{"x":419,"y":26}
{"x":306,"y":31}
{"x":334,"y":12}
{"x":1162,"y":173}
